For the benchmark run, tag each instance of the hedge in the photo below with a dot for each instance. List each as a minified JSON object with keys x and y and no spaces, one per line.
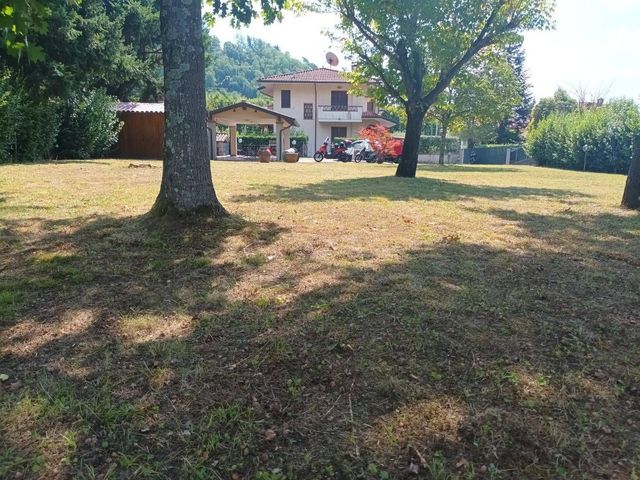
{"x":607,"y":133}
{"x":34,"y":128}
{"x":28,"y":127}
{"x":430,"y":145}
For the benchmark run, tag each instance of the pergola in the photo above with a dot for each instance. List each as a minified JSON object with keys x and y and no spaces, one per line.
{"x":245,"y":113}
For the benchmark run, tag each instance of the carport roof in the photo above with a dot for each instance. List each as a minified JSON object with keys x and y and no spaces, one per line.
{"x":248,"y":114}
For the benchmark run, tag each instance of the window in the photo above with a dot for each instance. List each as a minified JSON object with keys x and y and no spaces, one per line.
{"x":285,"y":99}
{"x":339,"y":100}
{"x":338,"y":132}
{"x":370,"y":107}
{"x":308,"y":111}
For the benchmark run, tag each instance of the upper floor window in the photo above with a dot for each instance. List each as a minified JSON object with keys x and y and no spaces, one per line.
{"x":308,"y":111}
{"x":285,"y":99}
{"x":339,"y":100}
{"x":371,"y":107}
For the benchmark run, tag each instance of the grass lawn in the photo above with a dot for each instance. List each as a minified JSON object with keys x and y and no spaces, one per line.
{"x":475,"y":322}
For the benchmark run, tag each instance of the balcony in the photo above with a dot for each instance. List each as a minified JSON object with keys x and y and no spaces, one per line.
{"x":340,"y":113}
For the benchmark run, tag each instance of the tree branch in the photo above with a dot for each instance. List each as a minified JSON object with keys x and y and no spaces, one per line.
{"x":481,"y":41}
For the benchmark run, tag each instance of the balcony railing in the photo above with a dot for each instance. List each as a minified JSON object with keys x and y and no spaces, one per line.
{"x":339,"y":113}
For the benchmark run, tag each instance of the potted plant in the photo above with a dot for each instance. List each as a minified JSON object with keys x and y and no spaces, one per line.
{"x":264,"y":155}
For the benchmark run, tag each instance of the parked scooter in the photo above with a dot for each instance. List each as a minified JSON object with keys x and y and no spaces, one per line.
{"x":336,"y":151}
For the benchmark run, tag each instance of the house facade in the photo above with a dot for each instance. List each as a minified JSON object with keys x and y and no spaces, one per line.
{"x":320,"y":101}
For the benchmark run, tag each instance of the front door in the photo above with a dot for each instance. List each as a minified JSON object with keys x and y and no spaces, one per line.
{"x":338,"y":132}
{"x":339,"y":100}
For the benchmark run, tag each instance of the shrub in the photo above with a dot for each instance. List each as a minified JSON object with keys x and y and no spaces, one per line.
{"x":28,"y":126}
{"x":430,"y":145}
{"x":90,"y":126}
{"x":607,"y":132}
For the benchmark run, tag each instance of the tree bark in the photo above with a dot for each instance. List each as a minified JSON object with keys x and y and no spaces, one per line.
{"x":187,"y":185}
{"x":443,"y":141}
{"x":409,"y":161}
{"x":631,"y":196}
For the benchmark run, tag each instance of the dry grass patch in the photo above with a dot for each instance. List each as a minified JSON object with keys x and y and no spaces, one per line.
{"x":475,"y":322}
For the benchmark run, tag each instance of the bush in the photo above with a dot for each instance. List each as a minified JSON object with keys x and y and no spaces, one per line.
{"x":28,"y":126}
{"x":90,"y":126}
{"x":608,"y":132}
{"x":430,"y":145}
{"x":262,"y":139}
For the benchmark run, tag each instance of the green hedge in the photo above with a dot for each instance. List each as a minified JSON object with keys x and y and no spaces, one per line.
{"x":430,"y":145}
{"x":34,"y":128}
{"x":263,"y":139}
{"x":607,"y":132}
{"x":28,"y":127}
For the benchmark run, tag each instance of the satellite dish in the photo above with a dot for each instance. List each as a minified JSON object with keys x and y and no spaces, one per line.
{"x":332,"y":59}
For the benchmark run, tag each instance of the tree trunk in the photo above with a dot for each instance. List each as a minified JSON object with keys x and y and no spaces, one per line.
{"x":187,"y":186}
{"x":631,"y":197}
{"x":443,"y":141}
{"x":409,"y":161}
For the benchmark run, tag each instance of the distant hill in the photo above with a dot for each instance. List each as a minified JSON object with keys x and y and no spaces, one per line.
{"x":236,"y":66}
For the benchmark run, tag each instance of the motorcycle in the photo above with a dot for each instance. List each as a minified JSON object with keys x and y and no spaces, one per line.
{"x":337,"y":151}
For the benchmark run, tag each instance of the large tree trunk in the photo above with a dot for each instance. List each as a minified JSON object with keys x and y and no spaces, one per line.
{"x":187,"y":186}
{"x":631,"y":197}
{"x":443,"y":141}
{"x":409,"y":161}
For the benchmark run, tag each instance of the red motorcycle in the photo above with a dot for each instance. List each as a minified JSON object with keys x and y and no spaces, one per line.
{"x":337,"y":151}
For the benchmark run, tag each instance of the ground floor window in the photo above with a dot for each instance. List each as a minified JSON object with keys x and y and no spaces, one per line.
{"x":338,"y":132}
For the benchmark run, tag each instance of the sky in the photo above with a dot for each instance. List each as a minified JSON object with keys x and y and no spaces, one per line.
{"x":595,"y":46}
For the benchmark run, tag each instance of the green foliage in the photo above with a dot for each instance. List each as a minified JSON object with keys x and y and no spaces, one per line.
{"x":94,"y":44}
{"x":561,"y":102}
{"x":481,"y":95}
{"x":512,"y":128}
{"x":430,"y":145}
{"x":237,"y":67}
{"x":18,"y":19}
{"x":607,"y":132}
{"x":89,"y":127}
{"x":416,"y":48}
{"x":28,"y":126}
{"x":242,"y":12}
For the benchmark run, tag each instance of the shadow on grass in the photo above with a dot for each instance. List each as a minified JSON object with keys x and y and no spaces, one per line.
{"x":470,"y":169}
{"x":174,"y":356}
{"x":397,"y":189}
{"x":616,"y":236}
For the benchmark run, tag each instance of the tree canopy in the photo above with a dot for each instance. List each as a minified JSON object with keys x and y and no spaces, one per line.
{"x":561,"y":102}
{"x":513,"y":127}
{"x":482,"y":94}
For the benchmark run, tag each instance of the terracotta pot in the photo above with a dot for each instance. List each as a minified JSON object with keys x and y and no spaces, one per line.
{"x":291,"y":157}
{"x":264,"y":156}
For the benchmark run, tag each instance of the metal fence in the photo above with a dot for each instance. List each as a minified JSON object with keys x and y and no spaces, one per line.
{"x":500,"y":155}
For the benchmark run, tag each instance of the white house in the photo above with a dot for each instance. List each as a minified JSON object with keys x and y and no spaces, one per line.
{"x":320,"y":102}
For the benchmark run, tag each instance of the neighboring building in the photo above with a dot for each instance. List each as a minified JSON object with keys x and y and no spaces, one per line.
{"x":320,"y":101}
{"x":142,"y":133}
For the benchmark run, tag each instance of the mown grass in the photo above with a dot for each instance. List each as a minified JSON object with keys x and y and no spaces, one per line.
{"x":476,"y":322}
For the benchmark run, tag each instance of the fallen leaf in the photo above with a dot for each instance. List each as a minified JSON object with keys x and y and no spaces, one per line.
{"x":4,"y":377}
{"x":270,"y":434}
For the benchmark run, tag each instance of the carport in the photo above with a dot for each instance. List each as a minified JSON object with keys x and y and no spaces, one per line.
{"x":245,"y":113}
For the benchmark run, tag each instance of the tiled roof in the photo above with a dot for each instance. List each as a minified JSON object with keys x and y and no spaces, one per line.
{"x":137,"y":107}
{"x":317,"y":75}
